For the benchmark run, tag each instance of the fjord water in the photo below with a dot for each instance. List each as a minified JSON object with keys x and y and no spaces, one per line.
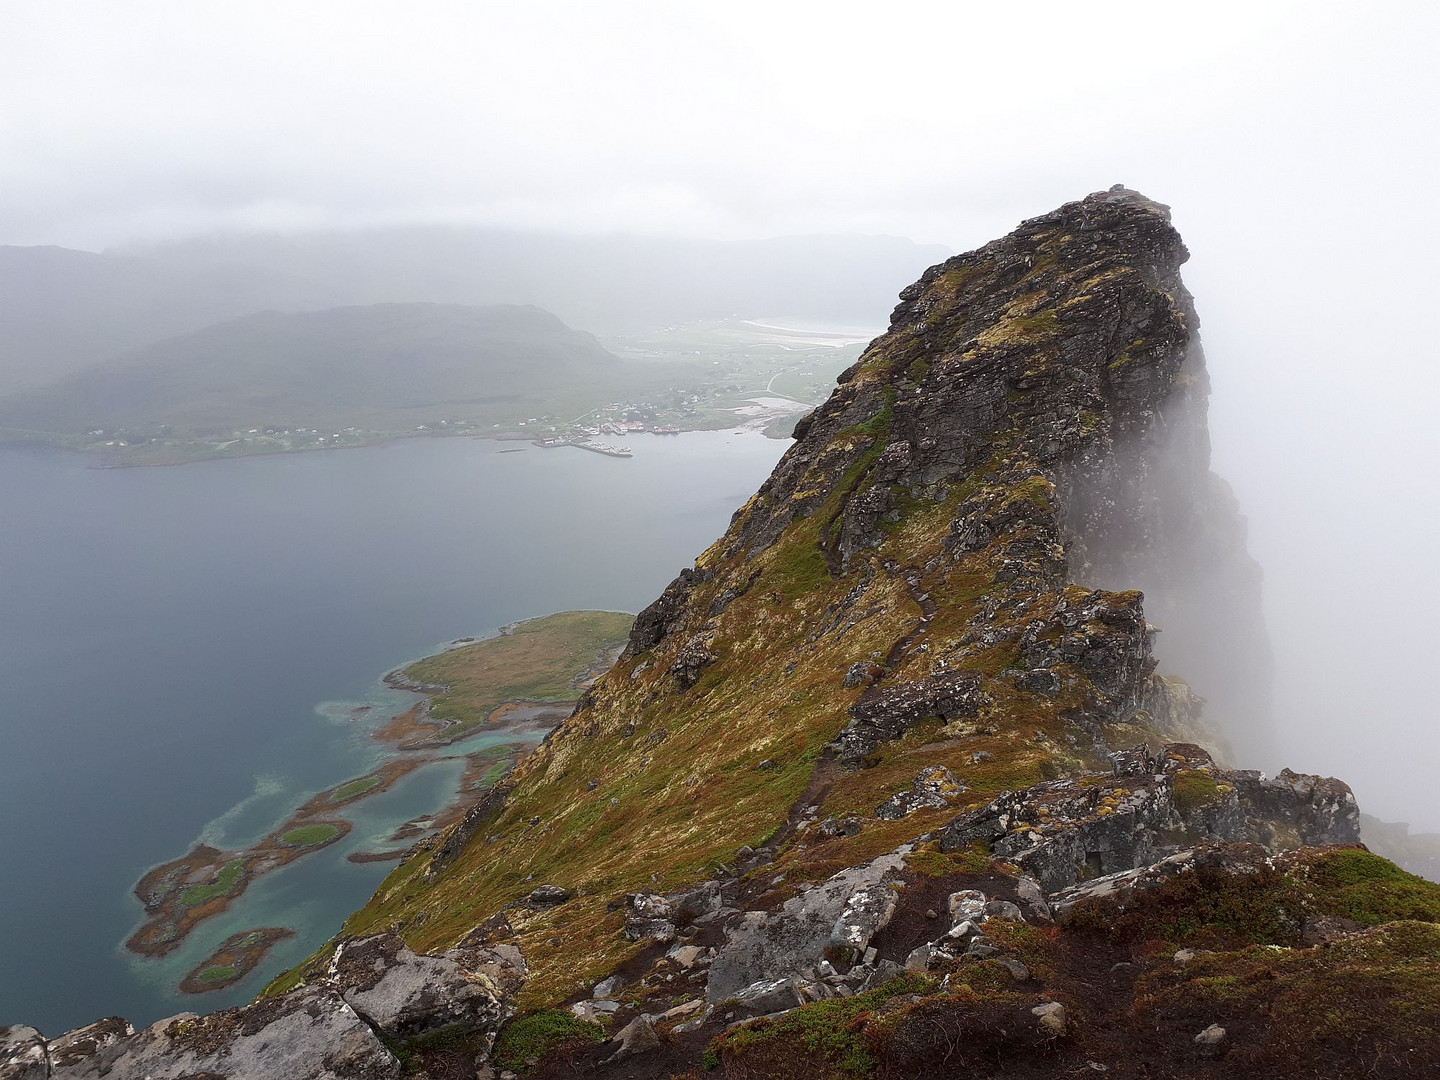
{"x":179,"y":647}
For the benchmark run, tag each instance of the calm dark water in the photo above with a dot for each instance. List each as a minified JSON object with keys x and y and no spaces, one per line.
{"x":174,"y":643}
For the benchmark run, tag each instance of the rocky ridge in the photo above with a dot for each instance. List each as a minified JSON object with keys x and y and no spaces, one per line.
{"x":887,"y":784}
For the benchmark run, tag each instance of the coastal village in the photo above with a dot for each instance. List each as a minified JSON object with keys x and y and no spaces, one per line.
{"x":746,"y":375}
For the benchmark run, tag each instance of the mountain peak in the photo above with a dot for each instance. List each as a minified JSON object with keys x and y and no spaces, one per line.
{"x":895,"y":768}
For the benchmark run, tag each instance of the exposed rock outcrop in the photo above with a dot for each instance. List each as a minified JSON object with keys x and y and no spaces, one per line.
{"x":1063,"y":830}
{"x":336,"y":1028}
{"x":310,"y":1033}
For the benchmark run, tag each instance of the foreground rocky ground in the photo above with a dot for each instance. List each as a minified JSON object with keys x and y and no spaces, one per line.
{"x":889,"y":783}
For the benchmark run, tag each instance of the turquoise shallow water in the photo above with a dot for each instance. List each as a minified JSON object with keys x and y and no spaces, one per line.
{"x":180,"y":649}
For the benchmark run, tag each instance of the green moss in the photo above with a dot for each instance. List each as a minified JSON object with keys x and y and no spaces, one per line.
{"x":1194,"y":788}
{"x":826,"y":1031}
{"x":1037,"y":490}
{"x":1351,"y":866}
{"x":529,"y":1037}
{"x":221,"y":885}
{"x":1040,"y":324}
{"x":953,"y":280}
{"x":217,"y":973}
{"x":310,"y":835}
{"x":1356,"y":884}
{"x":917,"y":369}
{"x":798,"y":565}
{"x":929,"y":860}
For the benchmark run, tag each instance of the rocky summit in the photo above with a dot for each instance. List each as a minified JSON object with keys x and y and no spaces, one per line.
{"x":903,"y":777}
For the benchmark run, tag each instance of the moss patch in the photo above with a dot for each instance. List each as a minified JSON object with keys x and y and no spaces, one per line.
{"x":531,"y":1037}
{"x":822,"y":1039}
{"x":1193,"y":789}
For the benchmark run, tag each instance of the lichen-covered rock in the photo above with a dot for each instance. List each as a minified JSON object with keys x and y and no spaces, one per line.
{"x":1066,"y":830}
{"x":967,"y":905}
{"x":76,"y":1047}
{"x":934,"y":787}
{"x":774,"y":945}
{"x":865,"y":914}
{"x":22,"y":1054}
{"x":1235,"y":860}
{"x":883,"y":713}
{"x":649,"y":917}
{"x":1052,"y":1017}
{"x":310,"y":1033}
{"x":548,"y":895}
{"x":405,"y":994}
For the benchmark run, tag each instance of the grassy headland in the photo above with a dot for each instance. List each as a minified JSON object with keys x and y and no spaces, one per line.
{"x":543,"y":660}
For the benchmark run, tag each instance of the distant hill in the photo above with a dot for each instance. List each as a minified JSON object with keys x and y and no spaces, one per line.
{"x":64,"y":310}
{"x":381,"y":366}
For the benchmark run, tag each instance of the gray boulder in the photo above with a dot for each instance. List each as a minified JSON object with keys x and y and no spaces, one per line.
{"x":1032,"y":899}
{"x":934,"y":787}
{"x":1052,"y":1018}
{"x":967,"y":905}
{"x":769,"y":996}
{"x":636,"y":1037}
{"x":1240,"y":860}
{"x":648,"y":916}
{"x":310,"y":1033}
{"x":1064,"y":831}
{"x":549,"y":895}
{"x":773,"y":945}
{"x":405,"y":994}
{"x":865,"y":914}
{"x":1004,"y":909}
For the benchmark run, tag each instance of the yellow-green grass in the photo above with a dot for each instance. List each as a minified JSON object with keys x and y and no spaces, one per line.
{"x":222,"y":885}
{"x":539,"y":660}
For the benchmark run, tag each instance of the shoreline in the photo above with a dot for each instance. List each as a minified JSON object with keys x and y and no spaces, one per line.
{"x":108,"y":458}
{"x":233,"y":959}
{"x":205,"y":882}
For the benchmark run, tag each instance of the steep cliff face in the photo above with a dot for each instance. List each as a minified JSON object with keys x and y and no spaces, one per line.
{"x":894,"y":758}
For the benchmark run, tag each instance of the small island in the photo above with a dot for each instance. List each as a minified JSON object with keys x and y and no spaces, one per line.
{"x":233,"y":959}
{"x":522,"y":683}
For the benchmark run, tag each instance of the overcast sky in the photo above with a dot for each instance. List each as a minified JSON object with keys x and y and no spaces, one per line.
{"x":1297,"y":143}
